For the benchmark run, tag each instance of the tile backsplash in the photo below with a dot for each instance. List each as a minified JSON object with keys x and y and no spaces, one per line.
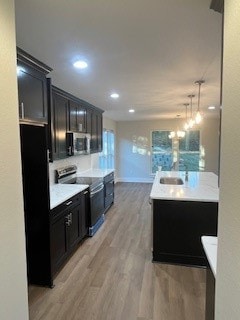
{"x":82,"y":162}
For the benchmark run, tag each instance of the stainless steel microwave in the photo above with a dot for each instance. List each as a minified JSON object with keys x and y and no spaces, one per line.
{"x":77,"y":143}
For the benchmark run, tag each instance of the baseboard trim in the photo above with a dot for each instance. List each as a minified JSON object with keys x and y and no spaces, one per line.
{"x":138,"y":180}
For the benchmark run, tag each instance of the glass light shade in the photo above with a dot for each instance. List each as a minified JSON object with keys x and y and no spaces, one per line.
{"x":180,"y":134}
{"x":172,"y":135}
{"x":198,"y":118}
{"x":191,"y":123}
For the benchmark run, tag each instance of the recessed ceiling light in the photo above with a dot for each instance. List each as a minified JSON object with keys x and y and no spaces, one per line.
{"x":211,"y":107}
{"x":114,"y":95}
{"x":131,"y":110}
{"x":80,"y":64}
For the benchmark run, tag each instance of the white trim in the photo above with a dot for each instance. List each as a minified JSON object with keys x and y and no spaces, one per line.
{"x":138,"y":180}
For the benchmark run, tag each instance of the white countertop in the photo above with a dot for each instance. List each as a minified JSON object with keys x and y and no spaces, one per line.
{"x":62,"y":192}
{"x":210,"y":248}
{"x":201,"y":186}
{"x":98,"y":173}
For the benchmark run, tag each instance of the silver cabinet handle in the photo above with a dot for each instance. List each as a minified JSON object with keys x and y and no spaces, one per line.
{"x":67,"y":222}
{"x":80,"y":127}
{"x":68,"y":219}
{"x":22,"y":110}
{"x":48,"y":155}
{"x":69,"y":150}
{"x":68,"y":203}
{"x":86,"y":192}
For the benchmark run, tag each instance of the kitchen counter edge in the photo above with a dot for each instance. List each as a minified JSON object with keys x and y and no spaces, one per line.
{"x":62,"y":192}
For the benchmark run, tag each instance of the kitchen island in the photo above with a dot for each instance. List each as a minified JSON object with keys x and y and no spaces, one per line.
{"x":182,"y":214}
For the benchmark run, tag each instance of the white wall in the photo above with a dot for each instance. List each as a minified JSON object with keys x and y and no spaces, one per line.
{"x":109,"y":124}
{"x":137,"y":167}
{"x":13,"y":280}
{"x":228,"y":267}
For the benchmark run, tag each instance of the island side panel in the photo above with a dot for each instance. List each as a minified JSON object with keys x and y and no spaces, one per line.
{"x":177,"y":230}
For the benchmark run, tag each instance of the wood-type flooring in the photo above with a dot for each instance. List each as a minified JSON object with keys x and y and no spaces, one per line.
{"x":111,"y":275}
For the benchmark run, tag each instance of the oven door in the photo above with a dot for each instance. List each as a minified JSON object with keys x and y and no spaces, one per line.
{"x":96,"y":204}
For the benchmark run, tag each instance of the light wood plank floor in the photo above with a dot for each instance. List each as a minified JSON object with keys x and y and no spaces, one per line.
{"x":111,"y":276}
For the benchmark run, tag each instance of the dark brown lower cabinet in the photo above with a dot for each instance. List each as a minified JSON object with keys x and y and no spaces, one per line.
{"x":177,"y":230}
{"x":69,"y":225}
{"x":108,"y":191}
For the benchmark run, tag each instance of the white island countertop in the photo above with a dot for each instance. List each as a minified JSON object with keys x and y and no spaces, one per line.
{"x":96,"y":173}
{"x":62,"y":192}
{"x":201,"y":186}
{"x":210,"y":248}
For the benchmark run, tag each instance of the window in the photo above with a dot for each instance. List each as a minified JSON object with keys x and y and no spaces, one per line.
{"x":166,"y":151}
{"x":189,"y":151}
{"x":106,"y":157}
{"x":162,"y":154}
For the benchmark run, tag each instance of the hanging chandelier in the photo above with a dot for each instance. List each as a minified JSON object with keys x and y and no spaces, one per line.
{"x":176,"y":134}
{"x":186,"y":125}
{"x":198,"y":117}
{"x":191,"y":121}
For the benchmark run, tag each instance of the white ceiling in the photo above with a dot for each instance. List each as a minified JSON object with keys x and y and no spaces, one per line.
{"x":149,"y":51}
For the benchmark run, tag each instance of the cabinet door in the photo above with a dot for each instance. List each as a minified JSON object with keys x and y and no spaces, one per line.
{"x":84,"y":214}
{"x":96,"y":132}
{"x":73,"y":107}
{"x":109,"y":184}
{"x":59,"y":118}
{"x":81,"y":119}
{"x":109,"y":191}
{"x":73,"y":235}
{"x":99,"y":132}
{"x":77,"y":117}
{"x":88,"y":121}
{"x":32,"y":94}
{"x":58,"y":242}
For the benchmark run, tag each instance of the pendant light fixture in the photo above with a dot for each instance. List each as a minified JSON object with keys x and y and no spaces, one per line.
{"x":186,"y":125}
{"x":176,"y":134}
{"x":198,"y":117}
{"x":191,"y":121}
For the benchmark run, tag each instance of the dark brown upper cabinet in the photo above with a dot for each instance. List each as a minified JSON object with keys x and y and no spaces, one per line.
{"x":59,"y":123}
{"x":32,"y":88}
{"x":96,"y":131}
{"x":77,"y":117}
{"x":68,"y":113}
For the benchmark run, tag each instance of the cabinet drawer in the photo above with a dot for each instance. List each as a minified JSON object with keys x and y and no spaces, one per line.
{"x":109,"y":177}
{"x":68,"y":204}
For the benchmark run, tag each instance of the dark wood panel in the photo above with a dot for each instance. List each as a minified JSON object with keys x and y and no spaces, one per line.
{"x":178,"y":227}
{"x":36,"y":203}
{"x":60,"y":125}
{"x":58,"y":243}
{"x":32,"y":88}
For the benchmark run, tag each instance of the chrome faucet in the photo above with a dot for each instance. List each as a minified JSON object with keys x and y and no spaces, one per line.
{"x":173,"y":166}
{"x":186,"y":172}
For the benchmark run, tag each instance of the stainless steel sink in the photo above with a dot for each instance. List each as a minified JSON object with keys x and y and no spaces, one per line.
{"x":171,"y":180}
